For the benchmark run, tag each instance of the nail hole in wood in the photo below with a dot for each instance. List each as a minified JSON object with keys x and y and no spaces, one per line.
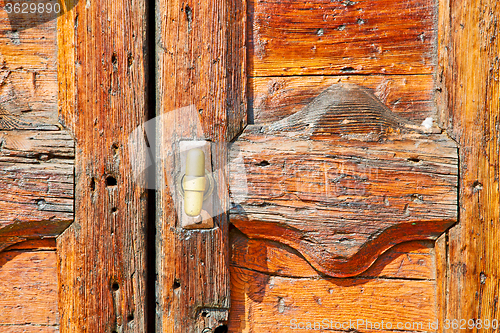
{"x":221,"y":329}
{"x":347,"y":69}
{"x":177,"y":283}
{"x":114,"y":210}
{"x":263,"y":163}
{"x":477,"y":186}
{"x":130,"y":59}
{"x":115,"y":286}
{"x":130,"y":317}
{"x":414,"y":159}
{"x":482,"y":277}
{"x":189,"y":13}
{"x":418,"y":198}
{"x":45,"y":157}
{"x":204,"y":314}
{"x":111,"y":181}
{"x":92,"y":184}
{"x":114,"y":59}
{"x":41,"y":203}
{"x":115,"y":148}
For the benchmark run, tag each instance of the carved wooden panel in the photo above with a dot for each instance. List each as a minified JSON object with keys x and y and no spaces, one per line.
{"x":36,"y":153}
{"x":343,"y":180}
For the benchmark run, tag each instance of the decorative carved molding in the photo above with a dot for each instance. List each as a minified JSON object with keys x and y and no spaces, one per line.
{"x":343,"y":180}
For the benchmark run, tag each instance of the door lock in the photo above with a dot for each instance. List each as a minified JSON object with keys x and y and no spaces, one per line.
{"x":195,"y":185}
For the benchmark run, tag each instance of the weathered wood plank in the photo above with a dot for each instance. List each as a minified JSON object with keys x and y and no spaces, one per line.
{"x":28,"y":329}
{"x":28,"y":99}
{"x":36,"y":184}
{"x":326,"y":37}
{"x":410,"y":260}
{"x":264,"y":303}
{"x":28,"y":292}
{"x":36,"y":188}
{"x":27,"y":49}
{"x":102,"y":256}
{"x":469,"y":68}
{"x":201,"y":96}
{"x":36,"y":244}
{"x":28,"y":85}
{"x":441,"y":278}
{"x":36,"y":173}
{"x":66,"y":65}
{"x":342,"y":181}
{"x":274,"y":98}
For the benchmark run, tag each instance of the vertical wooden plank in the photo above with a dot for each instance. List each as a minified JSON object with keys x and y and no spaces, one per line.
{"x":469,"y":67}
{"x":442,"y":291}
{"x":102,"y":99}
{"x":66,"y":29}
{"x":200,"y":95}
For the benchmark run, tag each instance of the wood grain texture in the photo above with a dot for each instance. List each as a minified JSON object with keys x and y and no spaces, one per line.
{"x":36,"y":244}
{"x":36,"y":154}
{"x":201,"y":96}
{"x":326,"y":37}
{"x":342,"y":181}
{"x":66,"y":64}
{"x":36,"y":184}
{"x":274,"y":98}
{"x":28,"y":100}
{"x":469,"y":68}
{"x":441,"y":247}
{"x":36,"y":174}
{"x":27,"y":50}
{"x":101,"y":257}
{"x":264,"y":303}
{"x":28,"y":93}
{"x":28,"y":329}
{"x":28,"y":292}
{"x":410,"y":260}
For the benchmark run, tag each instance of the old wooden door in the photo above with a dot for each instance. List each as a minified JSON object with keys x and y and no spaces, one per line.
{"x":353,"y":147}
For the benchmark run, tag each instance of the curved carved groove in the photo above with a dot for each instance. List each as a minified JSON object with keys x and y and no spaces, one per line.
{"x":326,"y":261}
{"x":342,"y":195}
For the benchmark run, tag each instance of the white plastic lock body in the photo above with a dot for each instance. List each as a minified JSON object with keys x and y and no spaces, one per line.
{"x":194,"y":182}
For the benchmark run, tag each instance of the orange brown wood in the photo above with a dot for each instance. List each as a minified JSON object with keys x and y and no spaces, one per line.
{"x":343,"y":180}
{"x":469,"y":71}
{"x":36,"y":174}
{"x":268,"y":303}
{"x":36,"y":184}
{"x":259,"y":266}
{"x":274,"y":98}
{"x":102,"y":255}
{"x":326,"y":37}
{"x":410,"y":260}
{"x":36,"y":154}
{"x":201,"y":96}
{"x":28,"y":291}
